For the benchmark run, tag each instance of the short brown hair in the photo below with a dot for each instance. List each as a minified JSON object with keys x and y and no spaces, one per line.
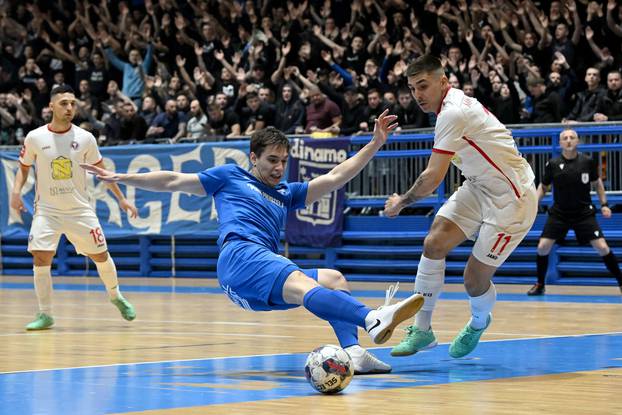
{"x":265,"y":137}
{"x":424,"y":64}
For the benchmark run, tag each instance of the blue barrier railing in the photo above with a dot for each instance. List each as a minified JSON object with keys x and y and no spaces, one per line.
{"x":394,"y":169}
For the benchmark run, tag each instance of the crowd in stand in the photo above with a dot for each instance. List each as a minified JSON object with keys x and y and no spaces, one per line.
{"x":217,"y":69}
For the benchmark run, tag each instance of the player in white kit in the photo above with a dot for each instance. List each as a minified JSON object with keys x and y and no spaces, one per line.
{"x":62,"y":203}
{"x":496,"y":206}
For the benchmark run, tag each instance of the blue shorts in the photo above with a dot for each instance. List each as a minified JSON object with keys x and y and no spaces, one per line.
{"x":252,"y":276}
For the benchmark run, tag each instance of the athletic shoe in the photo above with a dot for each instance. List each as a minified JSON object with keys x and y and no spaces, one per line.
{"x":537,"y":289}
{"x":415,"y":341}
{"x":380,"y":322}
{"x":124,"y":306}
{"x":466,"y":341}
{"x":366,"y":363}
{"x":42,"y":322}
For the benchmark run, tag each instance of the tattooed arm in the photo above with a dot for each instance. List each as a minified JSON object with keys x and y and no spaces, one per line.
{"x":425,"y":184}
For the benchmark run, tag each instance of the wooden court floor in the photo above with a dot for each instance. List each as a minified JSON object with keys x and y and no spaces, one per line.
{"x":191,"y":351}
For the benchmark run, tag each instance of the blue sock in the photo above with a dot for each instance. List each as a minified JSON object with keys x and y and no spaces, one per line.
{"x":347,"y":333}
{"x":331,"y":305}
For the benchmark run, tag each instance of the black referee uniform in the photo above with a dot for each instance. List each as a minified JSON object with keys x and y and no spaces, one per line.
{"x":572,"y":209}
{"x":572,"y":203}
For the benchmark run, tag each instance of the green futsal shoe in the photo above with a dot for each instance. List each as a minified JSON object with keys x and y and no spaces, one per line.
{"x":466,"y":341}
{"x":42,"y":322}
{"x":124,"y":306}
{"x":415,"y":341}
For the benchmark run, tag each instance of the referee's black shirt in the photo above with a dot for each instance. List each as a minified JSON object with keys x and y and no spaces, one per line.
{"x":571,"y":180}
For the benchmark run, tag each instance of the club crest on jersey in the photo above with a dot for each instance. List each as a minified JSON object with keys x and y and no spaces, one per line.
{"x":561,"y":166}
{"x":61,"y":168}
{"x":585,"y":178}
{"x":74,"y":145}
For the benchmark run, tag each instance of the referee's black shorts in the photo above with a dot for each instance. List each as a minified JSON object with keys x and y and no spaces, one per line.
{"x":586,"y":228}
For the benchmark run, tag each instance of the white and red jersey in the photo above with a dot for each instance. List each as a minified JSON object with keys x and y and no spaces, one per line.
{"x":61,"y":184}
{"x":483,"y":148}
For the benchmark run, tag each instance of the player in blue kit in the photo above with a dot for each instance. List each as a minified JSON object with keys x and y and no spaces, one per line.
{"x":251,"y":207}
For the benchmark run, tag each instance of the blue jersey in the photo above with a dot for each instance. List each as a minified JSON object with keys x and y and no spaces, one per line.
{"x":249,"y":208}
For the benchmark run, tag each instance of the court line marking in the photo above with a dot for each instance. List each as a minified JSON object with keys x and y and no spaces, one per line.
{"x":229,"y":323}
{"x":155,"y":333}
{"x":277,"y":354}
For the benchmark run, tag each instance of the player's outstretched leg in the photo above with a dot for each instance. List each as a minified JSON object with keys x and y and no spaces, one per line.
{"x":108,"y":273}
{"x":334,"y":305}
{"x":381,"y":322}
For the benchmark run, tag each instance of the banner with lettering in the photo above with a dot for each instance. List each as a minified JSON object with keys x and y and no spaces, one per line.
{"x":159,"y":213}
{"x":321,"y":223}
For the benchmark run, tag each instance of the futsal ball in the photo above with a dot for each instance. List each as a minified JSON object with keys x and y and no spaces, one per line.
{"x":329,"y":369}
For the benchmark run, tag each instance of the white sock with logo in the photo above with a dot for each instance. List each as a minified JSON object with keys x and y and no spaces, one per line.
{"x":108,"y":273}
{"x":43,"y":288}
{"x":429,"y":283}
{"x":482,"y":306}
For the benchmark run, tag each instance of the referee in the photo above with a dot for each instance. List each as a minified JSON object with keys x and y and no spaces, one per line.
{"x":572,"y":174}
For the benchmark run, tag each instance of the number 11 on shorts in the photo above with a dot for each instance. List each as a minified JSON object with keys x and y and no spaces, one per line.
{"x":501,"y":236}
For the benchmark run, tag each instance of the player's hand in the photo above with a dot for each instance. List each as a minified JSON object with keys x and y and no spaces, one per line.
{"x":101,"y":174}
{"x":17,"y":203}
{"x":393,"y":206}
{"x":128,"y":208}
{"x":606,"y":212}
{"x":384,"y":125}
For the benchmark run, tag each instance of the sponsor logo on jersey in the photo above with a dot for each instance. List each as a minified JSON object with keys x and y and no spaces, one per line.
{"x":61,"y":168}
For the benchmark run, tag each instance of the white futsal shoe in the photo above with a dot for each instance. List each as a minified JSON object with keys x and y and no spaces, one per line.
{"x":366,"y":363}
{"x":379,"y":323}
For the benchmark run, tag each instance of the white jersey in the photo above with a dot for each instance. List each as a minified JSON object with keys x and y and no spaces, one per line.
{"x":483,"y":148}
{"x":61,"y":187}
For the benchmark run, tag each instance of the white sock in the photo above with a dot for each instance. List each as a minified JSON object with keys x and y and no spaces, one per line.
{"x":481,"y":307}
{"x":108,"y":273}
{"x":43,"y":288}
{"x":429,"y":283}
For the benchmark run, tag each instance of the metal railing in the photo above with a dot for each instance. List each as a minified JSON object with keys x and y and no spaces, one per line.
{"x":404,"y":157}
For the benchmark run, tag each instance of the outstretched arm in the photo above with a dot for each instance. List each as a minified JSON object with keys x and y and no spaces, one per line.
{"x":425,"y":184}
{"x":155,"y":181}
{"x":344,"y":172}
{"x":127,"y":207}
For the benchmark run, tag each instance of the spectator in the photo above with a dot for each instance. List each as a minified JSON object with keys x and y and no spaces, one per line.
{"x":289,"y":111}
{"x":221,"y":122}
{"x":149,"y":109}
{"x":256,"y":115}
{"x":168,"y":124}
{"x":375,"y":106}
{"x":322,"y":114}
{"x":609,"y":106}
{"x":587,"y":101}
{"x":133,"y":126}
{"x":133,"y":71}
{"x":353,"y":112}
{"x":409,"y":114}
{"x":196,"y":127}
{"x":546,"y":104}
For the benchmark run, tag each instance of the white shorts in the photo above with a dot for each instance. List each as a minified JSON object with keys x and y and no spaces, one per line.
{"x":84,"y":232}
{"x":496,"y":231}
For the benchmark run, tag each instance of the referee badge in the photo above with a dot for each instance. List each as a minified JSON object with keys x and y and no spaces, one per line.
{"x":585,"y":178}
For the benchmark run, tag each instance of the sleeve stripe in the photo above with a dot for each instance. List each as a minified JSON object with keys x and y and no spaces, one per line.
{"x":438,"y":150}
